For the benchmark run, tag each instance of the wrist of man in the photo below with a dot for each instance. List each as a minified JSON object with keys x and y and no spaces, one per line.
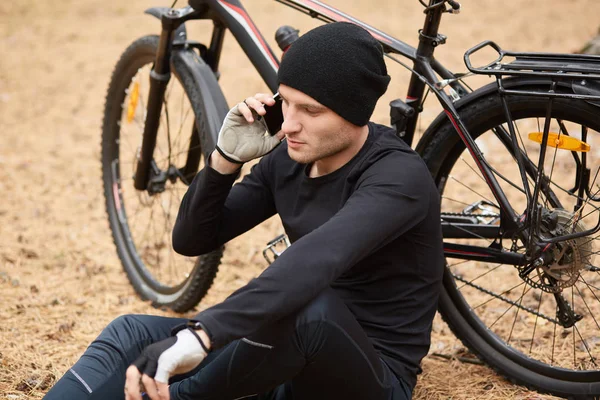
{"x":195,"y":327}
{"x":222,"y":165}
{"x":204,"y":339}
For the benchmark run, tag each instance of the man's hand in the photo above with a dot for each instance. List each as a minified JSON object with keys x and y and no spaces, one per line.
{"x":159,"y":361}
{"x":244,"y":135}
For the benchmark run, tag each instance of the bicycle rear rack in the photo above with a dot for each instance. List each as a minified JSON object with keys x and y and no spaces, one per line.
{"x":580,"y":68}
{"x":581,"y":71}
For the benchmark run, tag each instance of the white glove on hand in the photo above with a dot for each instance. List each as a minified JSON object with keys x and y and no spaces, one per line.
{"x":241,"y":141}
{"x":173,"y":356}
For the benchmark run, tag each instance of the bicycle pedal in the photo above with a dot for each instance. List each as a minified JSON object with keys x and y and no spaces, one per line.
{"x":276,"y":247}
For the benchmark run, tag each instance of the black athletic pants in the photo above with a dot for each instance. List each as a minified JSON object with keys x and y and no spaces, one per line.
{"x":321,"y":352}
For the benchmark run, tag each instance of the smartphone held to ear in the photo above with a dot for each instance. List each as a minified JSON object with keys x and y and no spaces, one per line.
{"x":274,"y":116}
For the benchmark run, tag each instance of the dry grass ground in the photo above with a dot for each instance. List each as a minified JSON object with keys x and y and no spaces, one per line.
{"x":60,"y":279}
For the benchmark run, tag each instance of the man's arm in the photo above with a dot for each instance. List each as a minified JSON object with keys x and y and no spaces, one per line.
{"x":390,"y":200}
{"x":221,"y":165}
{"x":212,"y":212}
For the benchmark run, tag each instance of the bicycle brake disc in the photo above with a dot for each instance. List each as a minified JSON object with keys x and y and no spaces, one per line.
{"x":568,"y":257}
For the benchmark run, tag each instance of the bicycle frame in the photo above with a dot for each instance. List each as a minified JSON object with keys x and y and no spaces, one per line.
{"x":230,"y":14}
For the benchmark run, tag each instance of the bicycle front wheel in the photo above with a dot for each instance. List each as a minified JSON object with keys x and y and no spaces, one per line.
{"x":142,"y":221}
{"x":540,"y":329}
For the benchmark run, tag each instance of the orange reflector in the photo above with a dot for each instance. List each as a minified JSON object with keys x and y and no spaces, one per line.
{"x":561,"y":141}
{"x":133,"y":101}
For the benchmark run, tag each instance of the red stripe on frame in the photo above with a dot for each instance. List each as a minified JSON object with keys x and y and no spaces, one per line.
{"x":253,"y":27}
{"x":462,"y":135}
{"x":341,"y":18}
{"x":466,"y":253}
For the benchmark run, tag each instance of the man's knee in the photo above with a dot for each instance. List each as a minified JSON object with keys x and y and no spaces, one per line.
{"x":317,"y":320}
{"x":125,"y":330}
{"x":125,"y":323}
{"x":306,"y":324}
{"x":325,"y":306}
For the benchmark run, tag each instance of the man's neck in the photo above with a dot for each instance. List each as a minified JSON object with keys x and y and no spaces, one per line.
{"x":337,"y":161}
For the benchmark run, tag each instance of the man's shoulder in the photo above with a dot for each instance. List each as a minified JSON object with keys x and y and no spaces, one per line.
{"x":387,"y":136}
{"x":387,"y":147}
{"x":389,"y":157}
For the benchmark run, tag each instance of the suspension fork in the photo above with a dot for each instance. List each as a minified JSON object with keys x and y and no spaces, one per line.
{"x":159,"y":79}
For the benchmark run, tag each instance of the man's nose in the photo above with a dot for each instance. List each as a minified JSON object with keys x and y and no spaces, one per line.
{"x":290,"y":122}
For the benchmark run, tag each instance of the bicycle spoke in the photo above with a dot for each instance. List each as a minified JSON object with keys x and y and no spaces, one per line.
{"x":126,"y":139}
{"x":473,"y":169}
{"x":554,"y":158}
{"x":456,"y":201}
{"x":180,"y":138}
{"x":482,"y":275}
{"x":147,"y":230}
{"x":168,"y":127}
{"x":467,"y":231}
{"x":553,"y":343}
{"x":153,"y":245}
{"x":516,"y":315}
{"x":503,"y":293}
{"x":536,"y":321}
{"x":181,"y":127}
{"x":511,"y":306}
{"x":574,"y":349}
{"x":589,"y":253}
{"x":586,"y":202}
{"x":179,"y":153}
{"x":592,"y":359}
{"x":167,"y":219}
{"x":471,"y":189}
{"x":458,"y":263}
{"x":169,"y":241}
{"x":520,"y":137}
{"x":590,"y":286}
{"x":138,"y":210}
{"x":511,"y":183}
{"x":586,"y":306}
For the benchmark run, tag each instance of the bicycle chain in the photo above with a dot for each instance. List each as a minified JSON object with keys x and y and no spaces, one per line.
{"x":460,"y":214}
{"x":522,"y":307}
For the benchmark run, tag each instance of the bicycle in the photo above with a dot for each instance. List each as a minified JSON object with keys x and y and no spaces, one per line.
{"x":523,"y":234}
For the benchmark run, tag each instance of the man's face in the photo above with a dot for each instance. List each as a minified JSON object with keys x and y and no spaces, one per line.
{"x":313,"y":132}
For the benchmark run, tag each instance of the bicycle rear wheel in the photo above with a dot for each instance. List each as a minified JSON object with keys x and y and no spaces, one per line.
{"x":542,"y":330}
{"x":142,"y":221}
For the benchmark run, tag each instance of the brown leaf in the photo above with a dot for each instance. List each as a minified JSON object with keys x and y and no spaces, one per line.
{"x":28,"y":253}
{"x":65,"y":328}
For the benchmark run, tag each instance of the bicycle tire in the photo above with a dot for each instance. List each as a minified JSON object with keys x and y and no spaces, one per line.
{"x":442,"y":155}
{"x":185,"y":294}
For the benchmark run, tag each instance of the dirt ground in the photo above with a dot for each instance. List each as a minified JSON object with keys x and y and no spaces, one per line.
{"x":60,"y":279}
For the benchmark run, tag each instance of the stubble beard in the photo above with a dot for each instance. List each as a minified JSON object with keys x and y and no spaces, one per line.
{"x":309,"y":157}
{"x":326,"y":148}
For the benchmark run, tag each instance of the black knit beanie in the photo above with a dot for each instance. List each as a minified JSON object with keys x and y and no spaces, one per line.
{"x":341,"y":66}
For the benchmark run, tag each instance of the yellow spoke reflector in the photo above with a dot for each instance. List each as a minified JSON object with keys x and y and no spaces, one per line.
{"x":561,"y":141}
{"x":133,"y":101}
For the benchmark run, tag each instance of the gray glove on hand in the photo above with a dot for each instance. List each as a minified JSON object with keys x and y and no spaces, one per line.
{"x":243,"y":136}
{"x":161,"y":360}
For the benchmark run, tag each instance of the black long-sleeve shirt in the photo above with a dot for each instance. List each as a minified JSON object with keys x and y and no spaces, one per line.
{"x":370,"y":230}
